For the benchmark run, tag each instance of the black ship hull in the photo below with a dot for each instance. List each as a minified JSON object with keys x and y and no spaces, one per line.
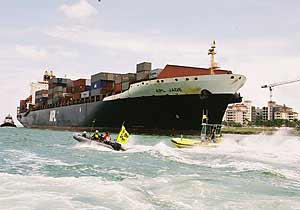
{"x":154,"y":114}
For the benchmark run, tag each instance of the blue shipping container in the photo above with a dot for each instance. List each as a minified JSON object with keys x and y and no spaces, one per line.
{"x":41,"y":100}
{"x":98,"y":84}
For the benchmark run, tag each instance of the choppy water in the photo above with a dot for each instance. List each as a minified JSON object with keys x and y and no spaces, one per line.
{"x":42,"y":169}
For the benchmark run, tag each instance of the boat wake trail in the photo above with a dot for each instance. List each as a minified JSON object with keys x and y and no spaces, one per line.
{"x":271,"y":155}
{"x":92,"y":146}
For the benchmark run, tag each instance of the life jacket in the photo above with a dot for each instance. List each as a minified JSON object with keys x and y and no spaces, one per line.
{"x":107,"y":137}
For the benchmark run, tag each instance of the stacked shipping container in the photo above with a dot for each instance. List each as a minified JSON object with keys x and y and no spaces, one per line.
{"x":128,"y":79}
{"x":41,"y":98}
{"x":81,"y":86}
{"x":23,"y":106}
{"x":143,"y":71}
{"x":102,"y":83}
{"x":57,"y":93}
{"x":63,"y":91}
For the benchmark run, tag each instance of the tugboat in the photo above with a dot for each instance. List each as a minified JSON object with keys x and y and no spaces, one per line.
{"x":8,"y":122}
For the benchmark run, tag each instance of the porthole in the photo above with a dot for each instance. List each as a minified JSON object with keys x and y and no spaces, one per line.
{"x":196,"y":78}
{"x":161,"y":81}
{"x":232,"y":77}
{"x":142,"y":83}
{"x":176,"y":80}
{"x":187,"y":79}
{"x":157,"y":81}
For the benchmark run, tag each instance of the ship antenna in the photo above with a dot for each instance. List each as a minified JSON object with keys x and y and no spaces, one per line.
{"x":212,"y":53}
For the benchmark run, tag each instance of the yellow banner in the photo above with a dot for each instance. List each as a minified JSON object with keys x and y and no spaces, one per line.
{"x":123,"y":136}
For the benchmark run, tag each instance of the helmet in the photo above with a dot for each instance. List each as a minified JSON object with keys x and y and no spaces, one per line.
{"x":84,"y":132}
{"x":97,"y":131}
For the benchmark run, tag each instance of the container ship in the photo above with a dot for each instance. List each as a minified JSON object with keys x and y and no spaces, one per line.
{"x":166,"y":100}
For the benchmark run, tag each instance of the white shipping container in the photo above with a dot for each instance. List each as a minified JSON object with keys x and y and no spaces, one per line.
{"x":88,"y":82}
{"x":154,"y":73}
{"x":67,"y":94}
{"x":95,"y":92}
{"x":85,"y":94}
{"x":125,"y":86}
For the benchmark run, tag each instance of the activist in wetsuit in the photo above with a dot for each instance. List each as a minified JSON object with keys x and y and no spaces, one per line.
{"x":107,"y":140}
{"x":84,"y":134}
{"x":96,"y":136}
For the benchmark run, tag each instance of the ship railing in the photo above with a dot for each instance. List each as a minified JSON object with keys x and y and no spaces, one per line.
{"x":71,"y":102}
{"x":211,"y":131}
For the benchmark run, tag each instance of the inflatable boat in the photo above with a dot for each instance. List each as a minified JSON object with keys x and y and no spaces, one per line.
{"x":108,"y":144}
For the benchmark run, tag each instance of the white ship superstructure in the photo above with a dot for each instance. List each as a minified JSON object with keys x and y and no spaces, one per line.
{"x":191,"y":85}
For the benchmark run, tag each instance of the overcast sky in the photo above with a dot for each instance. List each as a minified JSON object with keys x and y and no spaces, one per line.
{"x":77,"y":38}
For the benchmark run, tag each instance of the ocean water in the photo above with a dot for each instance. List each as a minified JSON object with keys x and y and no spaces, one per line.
{"x":43,"y":169}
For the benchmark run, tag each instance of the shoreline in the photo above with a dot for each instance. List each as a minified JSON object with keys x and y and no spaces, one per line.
{"x":257,"y":130}
{"x":249,"y":130}
{"x":160,"y":132}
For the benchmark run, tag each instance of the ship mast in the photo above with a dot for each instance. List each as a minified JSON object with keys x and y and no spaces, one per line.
{"x":212,"y":53}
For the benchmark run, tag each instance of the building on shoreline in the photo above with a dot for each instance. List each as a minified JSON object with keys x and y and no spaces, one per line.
{"x":244,"y":113}
{"x":240,"y":113}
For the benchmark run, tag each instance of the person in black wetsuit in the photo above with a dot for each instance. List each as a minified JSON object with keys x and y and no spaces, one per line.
{"x":84,"y":134}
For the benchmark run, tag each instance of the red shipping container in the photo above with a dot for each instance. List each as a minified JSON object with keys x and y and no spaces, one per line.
{"x":109,"y":84}
{"x":118,"y":87}
{"x":79,"y":89}
{"x":79,"y":82}
{"x":184,"y":71}
{"x":76,"y":96}
{"x":52,"y":85}
{"x":22,"y":102}
{"x":29,"y":99}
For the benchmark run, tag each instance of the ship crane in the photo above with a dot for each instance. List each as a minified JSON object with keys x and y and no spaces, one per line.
{"x":271,"y":86}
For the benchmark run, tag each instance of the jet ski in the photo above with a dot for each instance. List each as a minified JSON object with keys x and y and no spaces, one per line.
{"x":210,"y":137}
{"x":188,"y":143}
{"x":108,"y":144}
